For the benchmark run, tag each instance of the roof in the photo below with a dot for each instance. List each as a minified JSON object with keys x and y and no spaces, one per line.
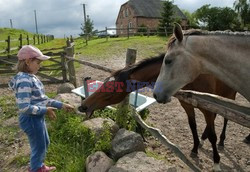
{"x":152,"y":8}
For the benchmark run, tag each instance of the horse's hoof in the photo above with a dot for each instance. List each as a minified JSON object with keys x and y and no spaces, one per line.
{"x":217,"y":168}
{"x":221,"y":146}
{"x":193,"y":155}
{"x":246,"y":140}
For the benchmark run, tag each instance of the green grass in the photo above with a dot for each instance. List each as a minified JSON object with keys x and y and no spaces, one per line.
{"x":13,"y":33}
{"x":102,"y":49}
{"x":5,"y":103}
{"x":72,"y":142}
{"x":21,"y":160}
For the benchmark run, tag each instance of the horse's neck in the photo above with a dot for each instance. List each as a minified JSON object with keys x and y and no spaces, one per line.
{"x":228,"y":59}
{"x":148,"y":73}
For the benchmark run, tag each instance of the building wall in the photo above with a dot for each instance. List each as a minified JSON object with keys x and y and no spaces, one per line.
{"x":148,"y":22}
{"x":126,"y":19}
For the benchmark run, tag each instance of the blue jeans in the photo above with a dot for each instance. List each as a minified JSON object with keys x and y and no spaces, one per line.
{"x":36,"y":130}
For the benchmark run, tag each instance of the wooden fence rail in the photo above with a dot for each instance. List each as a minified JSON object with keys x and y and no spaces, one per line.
{"x":36,"y":40}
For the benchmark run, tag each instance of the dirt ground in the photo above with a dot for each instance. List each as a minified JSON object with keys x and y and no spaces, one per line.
{"x":172,"y":121}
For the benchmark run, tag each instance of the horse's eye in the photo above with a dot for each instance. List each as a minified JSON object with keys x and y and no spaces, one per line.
{"x":168,"y":61}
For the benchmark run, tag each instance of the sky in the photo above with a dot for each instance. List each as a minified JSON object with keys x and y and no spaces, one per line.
{"x":63,"y":18}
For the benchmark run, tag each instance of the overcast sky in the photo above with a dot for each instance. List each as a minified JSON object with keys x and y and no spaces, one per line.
{"x":64,"y":17}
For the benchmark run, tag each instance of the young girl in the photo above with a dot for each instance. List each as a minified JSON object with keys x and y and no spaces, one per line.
{"x":33,"y":105}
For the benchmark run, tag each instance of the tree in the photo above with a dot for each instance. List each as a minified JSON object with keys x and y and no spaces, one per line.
{"x":242,"y":7}
{"x":202,"y":15}
{"x":166,"y":14}
{"x":88,"y":27}
{"x":192,"y":21}
{"x":216,"y":18}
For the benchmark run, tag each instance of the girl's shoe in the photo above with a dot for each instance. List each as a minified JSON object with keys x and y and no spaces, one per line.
{"x":45,"y":168}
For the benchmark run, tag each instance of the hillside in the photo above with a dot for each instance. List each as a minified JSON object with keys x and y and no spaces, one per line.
{"x":13,"y":33}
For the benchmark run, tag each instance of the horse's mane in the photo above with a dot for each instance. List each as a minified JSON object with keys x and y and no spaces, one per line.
{"x":123,"y":74}
{"x":205,"y":32}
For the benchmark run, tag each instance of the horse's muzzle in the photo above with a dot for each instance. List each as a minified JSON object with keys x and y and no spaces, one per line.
{"x":82,"y":108}
{"x":162,"y":99}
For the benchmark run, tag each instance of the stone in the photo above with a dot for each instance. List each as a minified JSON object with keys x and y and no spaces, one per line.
{"x":98,"y":161}
{"x":139,"y":161}
{"x":96,"y":125}
{"x":69,"y":98}
{"x":126,"y":142}
{"x":65,"y":88}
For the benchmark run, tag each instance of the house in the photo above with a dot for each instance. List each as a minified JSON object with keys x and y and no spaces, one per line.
{"x":136,"y":13}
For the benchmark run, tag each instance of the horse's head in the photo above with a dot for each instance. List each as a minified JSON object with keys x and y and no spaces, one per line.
{"x":178,"y":68}
{"x":111,"y":92}
{"x":125,"y":81}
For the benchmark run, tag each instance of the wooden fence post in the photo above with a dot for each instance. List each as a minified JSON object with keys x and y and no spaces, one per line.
{"x":64,"y":70}
{"x":28,"y":41}
{"x":20,"y":41}
{"x":128,"y":32}
{"x":8,"y":44}
{"x":71,"y":67}
{"x":123,"y":107}
{"x":106,"y":29}
{"x":41,"y":39}
{"x":38,"y":39}
{"x":34,"y":39}
{"x":148,"y":31}
{"x":68,"y":42}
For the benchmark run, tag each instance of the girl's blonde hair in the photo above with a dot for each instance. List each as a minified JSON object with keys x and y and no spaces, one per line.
{"x":22,"y":66}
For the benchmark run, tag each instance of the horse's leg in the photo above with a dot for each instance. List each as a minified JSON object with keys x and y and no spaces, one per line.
{"x":223,"y":134}
{"x":192,"y":124}
{"x":204,"y":136}
{"x":209,"y":116}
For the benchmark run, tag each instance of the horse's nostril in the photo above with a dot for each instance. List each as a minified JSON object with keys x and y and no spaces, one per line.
{"x":155,"y":96}
{"x":82,"y":108}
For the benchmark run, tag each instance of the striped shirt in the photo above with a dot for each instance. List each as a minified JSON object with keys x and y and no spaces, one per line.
{"x":30,"y":95}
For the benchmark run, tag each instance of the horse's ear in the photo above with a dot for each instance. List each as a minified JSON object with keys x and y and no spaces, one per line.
{"x":178,"y":32}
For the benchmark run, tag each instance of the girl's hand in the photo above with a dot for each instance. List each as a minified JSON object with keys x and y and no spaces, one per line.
{"x":50,"y":112}
{"x":68,"y":107}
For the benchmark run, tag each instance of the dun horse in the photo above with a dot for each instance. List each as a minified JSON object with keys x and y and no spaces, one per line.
{"x":147,"y":71}
{"x":225,"y":56}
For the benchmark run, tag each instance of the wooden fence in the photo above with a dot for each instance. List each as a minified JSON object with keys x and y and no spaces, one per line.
{"x":23,"y":40}
{"x":53,"y":72}
{"x":128,"y":32}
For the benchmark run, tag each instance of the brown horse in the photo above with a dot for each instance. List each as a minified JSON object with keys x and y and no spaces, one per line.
{"x":145,"y":73}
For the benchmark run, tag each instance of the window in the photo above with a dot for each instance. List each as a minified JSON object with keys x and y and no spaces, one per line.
{"x":130,"y":25}
{"x":126,"y":12}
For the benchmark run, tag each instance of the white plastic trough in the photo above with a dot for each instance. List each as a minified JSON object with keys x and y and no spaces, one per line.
{"x":141,"y":103}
